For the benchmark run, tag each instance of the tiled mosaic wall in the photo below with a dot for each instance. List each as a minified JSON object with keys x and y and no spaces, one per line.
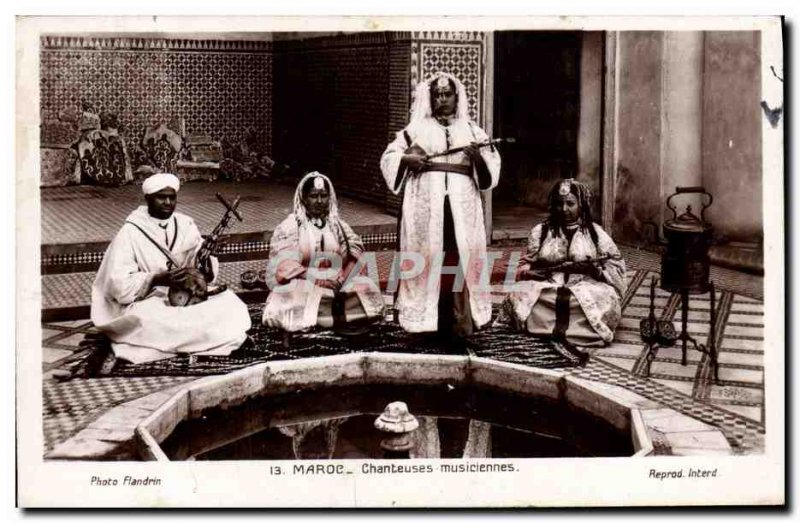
{"x":462,"y":60}
{"x":331,"y":110}
{"x":329,"y":104}
{"x":220,"y":89}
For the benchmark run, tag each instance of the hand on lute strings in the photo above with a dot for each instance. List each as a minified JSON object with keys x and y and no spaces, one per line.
{"x":415,"y":158}
{"x":535,"y":274}
{"x":530,"y":272}
{"x":587,"y":267}
{"x":333,"y":285}
{"x":472,"y":151}
{"x":206,"y":268}
{"x":542,"y":270}
{"x":169,"y":277}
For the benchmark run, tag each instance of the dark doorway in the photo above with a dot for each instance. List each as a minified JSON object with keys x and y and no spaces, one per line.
{"x":537,"y":101}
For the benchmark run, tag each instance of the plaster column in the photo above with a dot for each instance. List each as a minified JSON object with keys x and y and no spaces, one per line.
{"x":732,"y":155}
{"x":591,"y":107}
{"x":682,"y":118}
{"x":637,"y":126}
{"x":658,"y":128}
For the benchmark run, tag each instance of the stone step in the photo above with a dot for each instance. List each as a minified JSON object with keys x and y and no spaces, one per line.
{"x":738,"y":258}
{"x":86,"y":257}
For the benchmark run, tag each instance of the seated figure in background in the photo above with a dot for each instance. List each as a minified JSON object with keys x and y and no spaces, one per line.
{"x":572,"y":277}
{"x":299,"y":298}
{"x":155,"y":249}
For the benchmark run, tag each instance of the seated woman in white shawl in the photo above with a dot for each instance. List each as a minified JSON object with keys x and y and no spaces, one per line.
{"x":154,"y":249}
{"x":300,"y":297}
{"x":572,"y":278}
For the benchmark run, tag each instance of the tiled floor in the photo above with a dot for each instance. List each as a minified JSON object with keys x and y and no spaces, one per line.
{"x":741,"y":369}
{"x":85,"y":214}
{"x":68,"y":407}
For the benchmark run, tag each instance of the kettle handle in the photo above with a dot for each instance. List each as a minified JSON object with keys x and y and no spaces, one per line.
{"x":693,"y":189}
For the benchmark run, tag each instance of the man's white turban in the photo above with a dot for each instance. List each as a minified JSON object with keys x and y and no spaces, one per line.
{"x":160,"y":181}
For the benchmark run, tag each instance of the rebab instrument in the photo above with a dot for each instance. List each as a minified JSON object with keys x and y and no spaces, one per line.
{"x":191,"y":286}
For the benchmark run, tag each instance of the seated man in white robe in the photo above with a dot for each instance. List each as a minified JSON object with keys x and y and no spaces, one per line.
{"x":156,"y":248}
{"x":302,"y":298}
{"x":572,"y":277}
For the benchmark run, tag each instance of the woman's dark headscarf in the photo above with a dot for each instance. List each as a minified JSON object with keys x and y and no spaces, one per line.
{"x":584,"y":197}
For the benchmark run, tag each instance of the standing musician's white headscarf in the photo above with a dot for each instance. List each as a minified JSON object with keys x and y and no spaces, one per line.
{"x":300,"y":208}
{"x":421,"y":108}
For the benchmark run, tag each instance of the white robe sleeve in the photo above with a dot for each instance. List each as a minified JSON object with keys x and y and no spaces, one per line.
{"x":491,"y":159}
{"x":285,"y":243}
{"x":352,"y":239}
{"x":613,"y":269}
{"x":532,"y":251}
{"x":392,"y":165}
{"x":125,"y":281}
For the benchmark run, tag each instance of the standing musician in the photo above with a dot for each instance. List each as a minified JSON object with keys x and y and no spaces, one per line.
{"x":155,"y":249}
{"x":442,"y":212}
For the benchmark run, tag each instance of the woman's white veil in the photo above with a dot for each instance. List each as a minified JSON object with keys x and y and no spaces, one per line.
{"x":421,"y":107}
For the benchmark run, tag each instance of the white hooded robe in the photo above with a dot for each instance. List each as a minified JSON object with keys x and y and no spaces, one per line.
{"x":422,"y":224}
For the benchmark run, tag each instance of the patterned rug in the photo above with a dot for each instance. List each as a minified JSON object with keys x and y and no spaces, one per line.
{"x":498,"y":343}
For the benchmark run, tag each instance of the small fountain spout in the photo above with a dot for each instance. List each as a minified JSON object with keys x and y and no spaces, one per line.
{"x":399,"y":425}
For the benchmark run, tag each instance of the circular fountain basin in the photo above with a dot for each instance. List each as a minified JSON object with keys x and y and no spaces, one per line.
{"x":622,"y":414}
{"x":450,"y":421}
